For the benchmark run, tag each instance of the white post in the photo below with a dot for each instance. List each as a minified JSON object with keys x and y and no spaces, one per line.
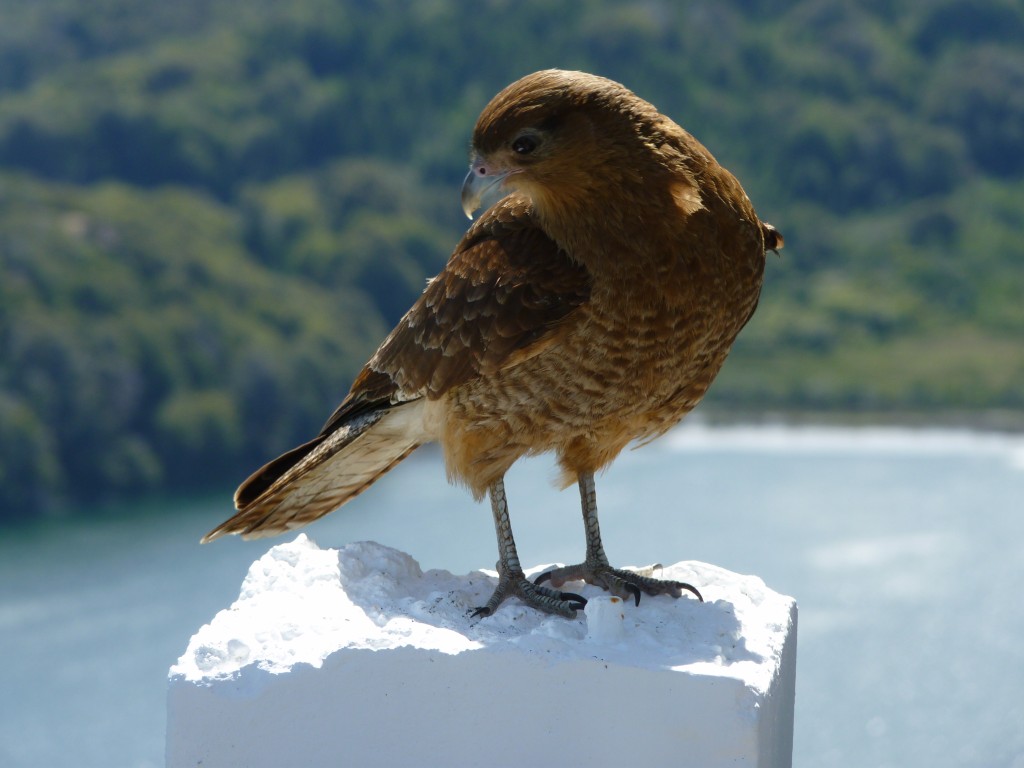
{"x":357,"y":657}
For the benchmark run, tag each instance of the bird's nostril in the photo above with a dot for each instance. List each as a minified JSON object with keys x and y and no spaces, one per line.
{"x":482,"y":171}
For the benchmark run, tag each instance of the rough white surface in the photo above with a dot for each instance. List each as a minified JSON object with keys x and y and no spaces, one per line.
{"x":358,"y":657}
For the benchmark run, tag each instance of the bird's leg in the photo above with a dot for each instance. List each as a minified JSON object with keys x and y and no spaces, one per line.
{"x":511,"y":580}
{"x":598,"y":571}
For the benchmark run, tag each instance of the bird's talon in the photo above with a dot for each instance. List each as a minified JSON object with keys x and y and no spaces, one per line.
{"x":577,"y":601}
{"x":693,"y":589}
{"x":546,"y":576}
{"x":636,"y":592}
{"x":543,"y":598}
{"x":620,"y":582}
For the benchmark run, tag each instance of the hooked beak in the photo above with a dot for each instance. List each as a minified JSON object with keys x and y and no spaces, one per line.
{"x":483,"y":185}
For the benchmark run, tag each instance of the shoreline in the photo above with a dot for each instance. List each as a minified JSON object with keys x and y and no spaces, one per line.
{"x":996,"y":423}
{"x":1000,"y":421}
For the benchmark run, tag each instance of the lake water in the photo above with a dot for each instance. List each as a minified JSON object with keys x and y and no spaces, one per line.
{"x":905,"y":551}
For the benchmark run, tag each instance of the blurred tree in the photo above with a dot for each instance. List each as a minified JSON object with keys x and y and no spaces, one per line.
{"x":211,"y":212}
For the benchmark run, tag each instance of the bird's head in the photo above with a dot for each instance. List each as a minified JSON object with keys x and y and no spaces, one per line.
{"x":561,"y":139}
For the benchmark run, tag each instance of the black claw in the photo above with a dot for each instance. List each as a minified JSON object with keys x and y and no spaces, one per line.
{"x":578,"y":602}
{"x":546,"y":576}
{"x":636,"y":592}
{"x":480,"y":612}
{"x":691,"y":588}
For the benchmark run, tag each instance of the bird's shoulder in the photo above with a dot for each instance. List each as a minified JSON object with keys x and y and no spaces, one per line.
{"x":501,"y":298}
{"x":507,"y":256}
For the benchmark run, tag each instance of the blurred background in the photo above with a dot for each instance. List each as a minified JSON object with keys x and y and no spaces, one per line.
{"x":211,"y":213}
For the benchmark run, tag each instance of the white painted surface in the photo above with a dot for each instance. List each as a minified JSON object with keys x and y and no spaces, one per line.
{"x":357,"y":657}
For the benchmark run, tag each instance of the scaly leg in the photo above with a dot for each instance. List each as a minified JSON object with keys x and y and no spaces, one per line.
{"x":511,"y":580}
{"x":598,"y":571}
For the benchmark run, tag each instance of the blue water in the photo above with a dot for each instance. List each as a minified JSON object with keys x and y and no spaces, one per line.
{"x":904,"y":550}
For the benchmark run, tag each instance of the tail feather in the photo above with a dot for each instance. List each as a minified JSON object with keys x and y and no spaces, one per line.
{"x":773,"y":240}
{"x":264,"y":477}
{"x":306,"y":483}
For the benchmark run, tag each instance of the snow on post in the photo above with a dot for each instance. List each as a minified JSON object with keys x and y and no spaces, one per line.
{"x":357,"y":657}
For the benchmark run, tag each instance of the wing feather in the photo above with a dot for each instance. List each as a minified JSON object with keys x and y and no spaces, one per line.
{"x":500,"y":299}
{"x":505,"y":290}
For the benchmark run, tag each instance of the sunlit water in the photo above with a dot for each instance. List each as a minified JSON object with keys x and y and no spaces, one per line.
{"x":904,"y":550}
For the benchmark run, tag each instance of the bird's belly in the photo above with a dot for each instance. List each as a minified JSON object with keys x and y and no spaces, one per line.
{"x":610,"y":380}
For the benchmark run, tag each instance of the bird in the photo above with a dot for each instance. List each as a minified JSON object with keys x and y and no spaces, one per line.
{"x":589,"y":307}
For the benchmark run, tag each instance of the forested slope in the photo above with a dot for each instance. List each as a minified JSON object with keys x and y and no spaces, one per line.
{"x":211,"y":212}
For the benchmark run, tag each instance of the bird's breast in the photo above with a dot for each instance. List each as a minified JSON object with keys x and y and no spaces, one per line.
{"x":625,"y":356}
{"x":627,"y":364}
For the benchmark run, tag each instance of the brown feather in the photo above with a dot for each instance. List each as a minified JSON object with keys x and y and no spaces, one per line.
{"x":499,"y":300}
{"x":591,"y":307}
{"x":340,"y":466}
{"x":504,"y":290}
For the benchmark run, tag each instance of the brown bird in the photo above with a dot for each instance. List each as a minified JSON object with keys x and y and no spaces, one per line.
{"x":590,"y":306}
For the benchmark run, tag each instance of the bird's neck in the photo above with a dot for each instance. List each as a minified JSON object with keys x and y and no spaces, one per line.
{"x":612,"y":240}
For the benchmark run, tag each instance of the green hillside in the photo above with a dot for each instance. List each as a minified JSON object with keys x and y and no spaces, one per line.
{"x":211,"y":212}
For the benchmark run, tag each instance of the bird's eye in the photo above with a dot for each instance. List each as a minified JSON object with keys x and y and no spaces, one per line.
{"x":524,"y":145}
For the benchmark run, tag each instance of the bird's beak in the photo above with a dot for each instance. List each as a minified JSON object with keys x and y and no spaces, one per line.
{"x":483,"y":186}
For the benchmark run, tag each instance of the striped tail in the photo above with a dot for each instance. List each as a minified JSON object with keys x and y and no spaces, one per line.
{"x":306,"y":483}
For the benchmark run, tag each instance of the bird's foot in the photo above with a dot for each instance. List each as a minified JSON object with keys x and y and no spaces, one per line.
{"x":620,"y":582}
{"x":543,"y":598}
